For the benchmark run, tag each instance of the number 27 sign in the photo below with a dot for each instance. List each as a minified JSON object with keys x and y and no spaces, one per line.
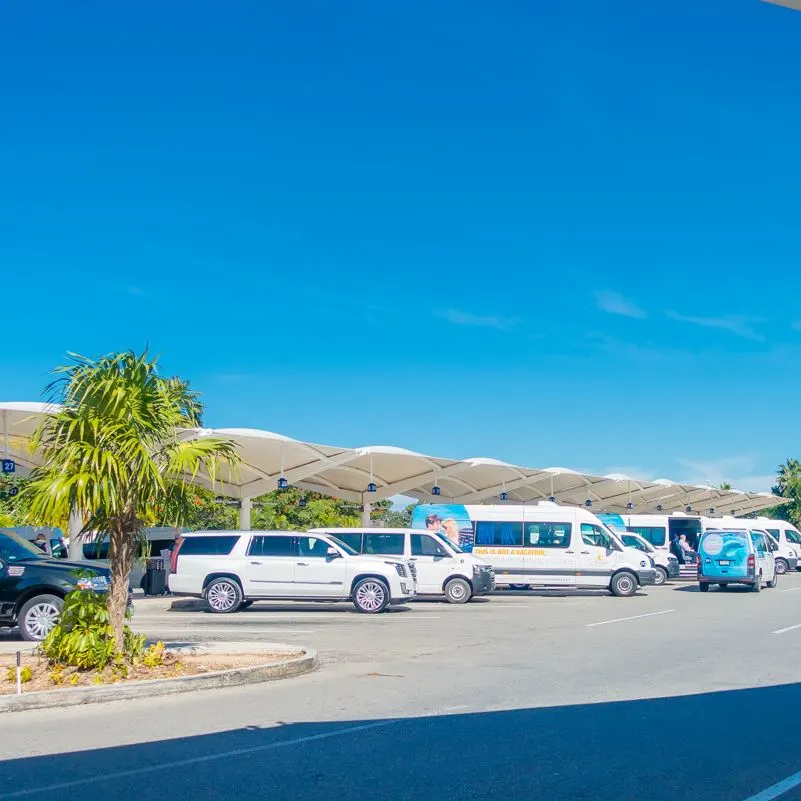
{"x":9,"y":466}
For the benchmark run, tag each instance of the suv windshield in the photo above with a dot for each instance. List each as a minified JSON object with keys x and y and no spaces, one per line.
{"x":344,"y":545}
{"x":13,"y":548}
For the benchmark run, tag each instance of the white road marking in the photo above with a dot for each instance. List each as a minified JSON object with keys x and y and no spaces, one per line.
{"x":182,"y":763}
{"x":792,"y":589}
{"x":633,"y":617}
{"x":778,"y":789}
{"x":788,"y":628}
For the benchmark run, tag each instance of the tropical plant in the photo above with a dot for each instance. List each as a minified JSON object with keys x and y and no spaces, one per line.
{"x":115,"y":449}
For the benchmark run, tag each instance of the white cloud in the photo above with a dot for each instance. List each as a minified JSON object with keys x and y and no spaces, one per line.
{"x":735,"y":470}
{"x":614,"y":303}
{"x":480,"y":321}
{"x":740,"y":325}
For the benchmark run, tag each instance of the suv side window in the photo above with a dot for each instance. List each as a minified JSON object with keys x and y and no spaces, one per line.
{"x":354,"y":540}
{"x":208,"y":546}
{"x":426,"y":545}
{"x":384,"y":544}
{"x":272,"y":545}
{"x":312,"y":546}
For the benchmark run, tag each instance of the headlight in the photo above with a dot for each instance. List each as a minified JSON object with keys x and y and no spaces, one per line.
{"x":400,"y":568}
{"x":672,"y":559}
{"x":95,"y":583}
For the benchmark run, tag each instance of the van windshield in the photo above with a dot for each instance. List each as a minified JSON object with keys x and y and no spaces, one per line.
{"x":792,"y":536}
{"x":450,"y":543}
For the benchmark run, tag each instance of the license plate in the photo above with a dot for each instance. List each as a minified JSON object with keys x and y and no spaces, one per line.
{"x":724,"y":562}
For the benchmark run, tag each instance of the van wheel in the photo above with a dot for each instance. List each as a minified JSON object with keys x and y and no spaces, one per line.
{"x":772,"y":584}
{"x":458,"y":591}
{"x":223,"y":596}
{"x":661,"y":576}
{"x":781,"y":567}
{"x":703,"y":587}
{"x":370,"y":596}
{"x":38,"y":617}
{"x":623,"y":584}
{"x":757,"y":585}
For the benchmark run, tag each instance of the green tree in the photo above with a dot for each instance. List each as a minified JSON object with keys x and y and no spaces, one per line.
{"x":14,"y":509}
{"x":114,"y":450}
{"x":788,"y":485}
{"x":399,"y":518}
{"x":725,"y":486}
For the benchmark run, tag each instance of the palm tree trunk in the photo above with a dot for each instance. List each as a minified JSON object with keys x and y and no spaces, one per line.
{"x":122,"y":548}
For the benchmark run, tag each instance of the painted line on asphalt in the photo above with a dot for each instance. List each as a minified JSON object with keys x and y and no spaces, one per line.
{"x":182,"y":763}
{"x":633,"y":617}
{"x":788,"y":628}
{"x":778,"y":789}
{"x":792,"y":589}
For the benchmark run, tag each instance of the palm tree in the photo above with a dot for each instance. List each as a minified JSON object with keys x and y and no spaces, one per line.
{"x":114,"y":449}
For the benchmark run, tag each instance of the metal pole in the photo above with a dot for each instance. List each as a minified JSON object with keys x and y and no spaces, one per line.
{"x":244,"y":514}
{"x":5,"y":432}
{"x":19,"y":673}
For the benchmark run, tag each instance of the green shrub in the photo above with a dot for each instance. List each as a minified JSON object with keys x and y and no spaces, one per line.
{"x":84,"y":638}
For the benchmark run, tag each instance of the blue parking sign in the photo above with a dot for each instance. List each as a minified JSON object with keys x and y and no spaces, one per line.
{"x":13,"y":492}
{"x":9,"y":466}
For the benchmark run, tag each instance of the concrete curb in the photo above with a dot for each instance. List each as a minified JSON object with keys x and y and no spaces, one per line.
{"x":234,"y":677}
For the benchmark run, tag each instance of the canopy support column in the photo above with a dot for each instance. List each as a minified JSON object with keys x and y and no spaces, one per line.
{"x":245,"y":506}
{"x":367,"y":508}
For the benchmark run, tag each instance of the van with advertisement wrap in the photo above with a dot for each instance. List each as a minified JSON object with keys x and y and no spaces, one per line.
{"x":441,"y":566}
{"x":735,"y":556}
{"x":544,"y":545}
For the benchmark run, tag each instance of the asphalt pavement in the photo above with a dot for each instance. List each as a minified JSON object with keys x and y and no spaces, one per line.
{"x":560,"y":695}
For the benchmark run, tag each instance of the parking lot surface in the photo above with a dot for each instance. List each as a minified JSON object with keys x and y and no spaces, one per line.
{"x":559,"y":694}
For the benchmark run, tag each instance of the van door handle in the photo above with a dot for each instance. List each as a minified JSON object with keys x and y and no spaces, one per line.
{"x":256,"y":563}
{"x":569,"y":551}
{"x":303,"y":564}
{"x":585,"y":553}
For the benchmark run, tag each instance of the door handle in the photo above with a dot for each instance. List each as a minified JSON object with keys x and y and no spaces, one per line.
{"x":569,"y":551}
{"x":256,"y":563}
{"x":585,"y":553}
{"x":412,"y":558}
{"x":303,"y":564}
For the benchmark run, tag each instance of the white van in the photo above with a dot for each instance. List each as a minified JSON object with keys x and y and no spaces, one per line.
{"x":788,"y":537}
{"x":785,"y":554}
{"x":545,"y":545}
{"x":443,"y":568}
{"x":663,"y":531}
{"x":667,"y":566}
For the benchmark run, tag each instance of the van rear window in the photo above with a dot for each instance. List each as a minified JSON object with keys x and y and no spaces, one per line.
{"x":208,"y":546}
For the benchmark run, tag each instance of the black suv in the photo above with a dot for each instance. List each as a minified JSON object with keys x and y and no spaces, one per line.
{"x":33,"y":585}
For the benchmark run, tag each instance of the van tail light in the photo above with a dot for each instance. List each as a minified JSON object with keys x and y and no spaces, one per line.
{"x":174,"y":557}
{"x":751,"y":564}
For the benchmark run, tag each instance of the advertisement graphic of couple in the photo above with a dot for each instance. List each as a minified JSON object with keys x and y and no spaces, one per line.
{"x":449,"y":520}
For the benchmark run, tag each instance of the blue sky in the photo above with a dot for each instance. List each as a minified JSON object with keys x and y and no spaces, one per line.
{"x":552,"y":233}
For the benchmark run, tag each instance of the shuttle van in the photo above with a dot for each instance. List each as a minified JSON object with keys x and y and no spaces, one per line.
{"x":664,"y":531}
{"x":785,"y":554}
{"x":667,"y":566}
{"x":441,"y":566}
{"x":786,"y":534}
{"x":544,"y":545}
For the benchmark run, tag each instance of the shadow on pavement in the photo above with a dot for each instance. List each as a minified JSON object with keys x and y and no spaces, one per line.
{"x":713,"y":746}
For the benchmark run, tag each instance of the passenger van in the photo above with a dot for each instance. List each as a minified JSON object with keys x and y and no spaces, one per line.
{"x":786,"y":534}
{"x":664,"y":531}
{"x":785,"y":555}
{"x":442,"y":567}
{"x":741,"y":556}
{"x":667,"y":566}
{"x":545,"y":545}
{"x":154,"y":543}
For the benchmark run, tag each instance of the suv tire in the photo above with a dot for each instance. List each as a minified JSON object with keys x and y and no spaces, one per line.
{"x":38,"y":616}
{"x":223,"y":596}
{"x":458,"y":591}
{"x":370,"y":596}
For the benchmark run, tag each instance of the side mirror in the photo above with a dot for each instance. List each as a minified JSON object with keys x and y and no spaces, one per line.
{"x":333,"y":553}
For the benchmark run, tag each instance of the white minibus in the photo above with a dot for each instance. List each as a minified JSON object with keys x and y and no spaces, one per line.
{"x":543,"y":545}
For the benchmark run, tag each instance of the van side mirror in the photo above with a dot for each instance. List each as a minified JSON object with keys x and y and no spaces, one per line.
{"x":333,"y":553}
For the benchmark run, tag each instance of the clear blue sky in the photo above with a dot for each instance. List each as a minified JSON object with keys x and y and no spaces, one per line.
{"x":553,"y":233}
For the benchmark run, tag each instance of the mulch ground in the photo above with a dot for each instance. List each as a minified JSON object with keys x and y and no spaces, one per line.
{"x":48,"y":677}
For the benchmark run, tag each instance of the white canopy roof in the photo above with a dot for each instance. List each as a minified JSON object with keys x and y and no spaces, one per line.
{"x":349,"y":473}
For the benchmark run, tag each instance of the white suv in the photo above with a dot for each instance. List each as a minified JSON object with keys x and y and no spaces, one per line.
{"x":231,"y":569}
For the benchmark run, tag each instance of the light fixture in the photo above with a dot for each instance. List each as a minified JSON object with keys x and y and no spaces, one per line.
{"x":282,"y":483}
{"x":302,"y":503}
{"x":711,"y":510}
{"x":504,"y":496}
{"x":688,"y":509}
{"x":435,"y":490}
{"x":629,"y":506}
{"x":552,"y":498}
{"x":371,"y":487}
{"x":660,"y":508}
{"x":588,"y":503}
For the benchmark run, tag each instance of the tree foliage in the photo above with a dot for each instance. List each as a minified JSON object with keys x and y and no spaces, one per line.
{"x":788,"y":485}
{"x":114,"y":452}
